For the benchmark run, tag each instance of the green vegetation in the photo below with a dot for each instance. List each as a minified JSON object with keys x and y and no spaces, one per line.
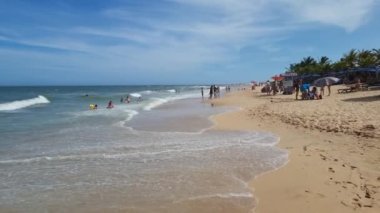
{"x":352,"y":59}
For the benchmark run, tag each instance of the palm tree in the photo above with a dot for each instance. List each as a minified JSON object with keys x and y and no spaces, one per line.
{"x":324,"y":64}
{"x":366,"y":58}
{"x":339,"y":66}
{"x":350,"y":58}
{"x":308,"y":65}
{"x":376,"y":52}
{"x":308,"y":61}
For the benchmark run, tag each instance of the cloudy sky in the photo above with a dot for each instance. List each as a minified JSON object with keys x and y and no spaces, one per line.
{"x":76,"y":42}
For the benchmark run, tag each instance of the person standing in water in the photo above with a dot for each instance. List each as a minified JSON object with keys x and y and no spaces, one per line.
{"x":202,"y":92}
{"x":211,"y":91}
{"x":110,"y":105}
{"x":127,"y":99}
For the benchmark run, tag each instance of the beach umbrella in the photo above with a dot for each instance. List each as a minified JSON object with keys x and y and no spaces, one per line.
{"x":277,"y":78}
{"x":325,"y":81}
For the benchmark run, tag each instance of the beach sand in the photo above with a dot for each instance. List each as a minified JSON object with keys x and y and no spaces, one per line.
{"x":333,"y":145}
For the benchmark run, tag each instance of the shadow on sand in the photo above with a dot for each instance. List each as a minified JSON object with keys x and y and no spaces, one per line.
{"x":364,"y":99}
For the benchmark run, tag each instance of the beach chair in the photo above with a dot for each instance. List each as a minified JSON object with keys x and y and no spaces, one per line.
{"x":344,"y":90}
{"x":350,"y":88}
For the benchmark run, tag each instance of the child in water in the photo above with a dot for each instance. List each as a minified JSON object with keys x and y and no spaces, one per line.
{"x":110,"y":105}
{"x":93,"y":106}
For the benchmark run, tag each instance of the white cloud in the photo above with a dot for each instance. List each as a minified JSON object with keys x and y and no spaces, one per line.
{"x":347,"y":14}
{"x":199,"y":32}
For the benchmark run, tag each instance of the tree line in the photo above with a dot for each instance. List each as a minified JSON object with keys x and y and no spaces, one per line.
{"x":352,"y":59}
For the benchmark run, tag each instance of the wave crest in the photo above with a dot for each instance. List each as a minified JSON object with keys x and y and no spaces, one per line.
{"x":155,"y":103}
{"x":136,"y":95}
{"x":15,"y":105}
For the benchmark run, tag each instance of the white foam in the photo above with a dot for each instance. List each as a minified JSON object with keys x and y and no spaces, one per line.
{"x":155,"y":103}
{"x":199,"y":86}
{"x":136,"y":95}
{"x":185,"y":96}
{"x":131,"y":114}
{"x":219,"y":195}
{"x":147,"y":92}
{"x":171,"y":90}
{"x":159,"y":101}
{"x":14,"y":105}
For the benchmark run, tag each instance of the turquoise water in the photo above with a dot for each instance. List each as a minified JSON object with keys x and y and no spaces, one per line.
{"x":156,"y":154}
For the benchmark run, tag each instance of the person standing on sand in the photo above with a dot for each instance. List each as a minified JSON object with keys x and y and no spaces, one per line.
{"x":297,"y":87}
{"x":211,"y":91}
{"x":329,"y":88}
{"x":202,"y":92}
{"x":268,"y":88}
{"x":322,"y":90}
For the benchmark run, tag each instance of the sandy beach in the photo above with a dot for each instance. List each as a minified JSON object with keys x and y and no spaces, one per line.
{"x":333,"y":145}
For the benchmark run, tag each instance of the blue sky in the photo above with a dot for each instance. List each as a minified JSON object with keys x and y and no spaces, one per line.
{"x":92,"y":42}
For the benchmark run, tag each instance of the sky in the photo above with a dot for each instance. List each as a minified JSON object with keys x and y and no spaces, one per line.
{"x":135,"y":42}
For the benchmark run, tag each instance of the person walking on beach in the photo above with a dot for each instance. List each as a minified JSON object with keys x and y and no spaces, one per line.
{"x":216,"y":91}
{"x":297,"y":87}
{"x":202,"y":92}
{"x":211,"y":91}
{"x":329,"y":88}
{"x":268,"y":87}
{"x":322,"y":90}
{"x":274,"y":86}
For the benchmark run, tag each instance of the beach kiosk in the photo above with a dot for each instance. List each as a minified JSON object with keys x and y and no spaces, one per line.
{"x":288,"y":82}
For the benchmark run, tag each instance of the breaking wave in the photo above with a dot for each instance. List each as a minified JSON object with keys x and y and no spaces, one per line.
{"x":15,"y":105}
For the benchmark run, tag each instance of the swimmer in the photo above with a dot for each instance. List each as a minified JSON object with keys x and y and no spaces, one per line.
{"x":110,"y":105}
{"x":93,"y":106}
{"x":128,"y":99}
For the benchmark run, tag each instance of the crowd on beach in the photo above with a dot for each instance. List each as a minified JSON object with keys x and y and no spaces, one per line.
{"x":306,"y":93}
{"x":305,"y":90}
{"x":214,"y":91}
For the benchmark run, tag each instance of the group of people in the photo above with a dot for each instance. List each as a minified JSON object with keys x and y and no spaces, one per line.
{"x":272,"y":87}
{"x":95,"y":106}
{"x":214,"y":92}
{"x":306,"y":93}
{"x":125,"y":100}
{"x":110,"y":105}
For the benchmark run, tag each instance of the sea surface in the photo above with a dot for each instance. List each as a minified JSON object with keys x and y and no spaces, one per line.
{"x":157,"y":153}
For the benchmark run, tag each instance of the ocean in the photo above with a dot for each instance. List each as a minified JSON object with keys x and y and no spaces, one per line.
{"x":157,"y":153}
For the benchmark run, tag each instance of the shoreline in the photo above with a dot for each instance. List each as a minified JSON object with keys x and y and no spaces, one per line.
{"x":327,"y":171}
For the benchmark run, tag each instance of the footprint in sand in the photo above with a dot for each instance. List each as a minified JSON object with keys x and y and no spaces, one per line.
{"x":322,"y":157}
{"x":331,"y":170}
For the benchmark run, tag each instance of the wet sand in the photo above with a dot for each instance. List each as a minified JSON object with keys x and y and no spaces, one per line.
{"x":333,"y":145}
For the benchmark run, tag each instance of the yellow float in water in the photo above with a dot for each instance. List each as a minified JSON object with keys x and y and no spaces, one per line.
{"x":93,"y":106}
